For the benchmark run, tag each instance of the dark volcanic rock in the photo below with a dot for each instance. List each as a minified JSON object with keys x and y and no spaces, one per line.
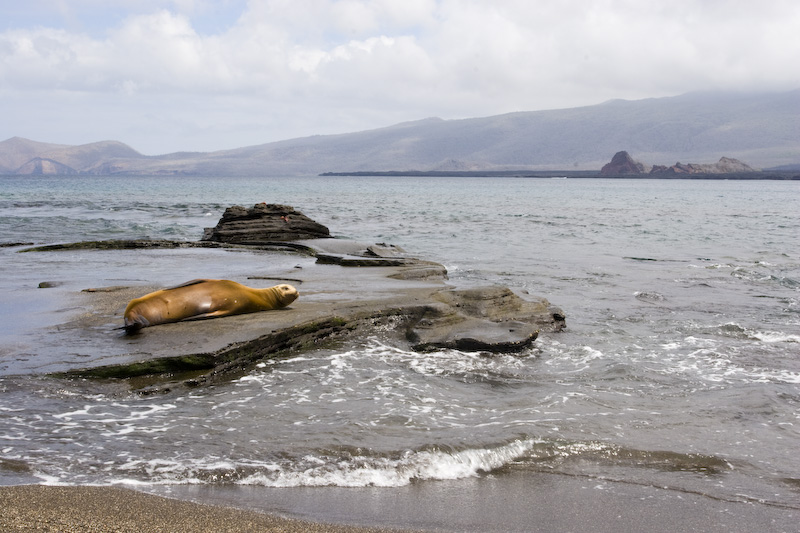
{"x":622,"y":163}
{"x":492,"y":319}
{"x":403,"y":295}
{"x":487,"y":319}
{"x":264,"y":224}
{"x":130,"y":244}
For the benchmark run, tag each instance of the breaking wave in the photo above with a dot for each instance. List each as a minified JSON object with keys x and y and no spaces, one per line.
{"x":342,"y":468}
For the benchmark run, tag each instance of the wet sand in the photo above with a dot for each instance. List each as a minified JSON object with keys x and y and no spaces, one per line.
{"x":107,"y":509}
{"x":518,"y":502}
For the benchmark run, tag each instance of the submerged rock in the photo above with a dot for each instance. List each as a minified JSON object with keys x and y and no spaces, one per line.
{"x":264,"y":224}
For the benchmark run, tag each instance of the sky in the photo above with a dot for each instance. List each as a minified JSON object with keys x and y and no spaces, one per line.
{"x":199,"y":75}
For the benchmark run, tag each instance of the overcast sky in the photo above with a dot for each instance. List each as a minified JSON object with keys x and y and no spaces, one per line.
{"x":203,"y":75}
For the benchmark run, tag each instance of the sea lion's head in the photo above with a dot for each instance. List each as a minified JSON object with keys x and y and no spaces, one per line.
{"x":286,"y":294}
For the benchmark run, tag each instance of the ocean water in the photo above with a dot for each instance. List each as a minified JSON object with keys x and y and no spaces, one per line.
{"x":679,"y":367}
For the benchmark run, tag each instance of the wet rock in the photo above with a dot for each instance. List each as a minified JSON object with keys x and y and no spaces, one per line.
{"x":492,"y":319}
{"x":264,"y":224}
{"x":406,"y":296}
{"x":421,"y":270}
{"x":386,"y":250}
{"x":133,"y":244}
{"x":113,"y":288}
{"x":353,"y":254}
{"x":14,"y":465}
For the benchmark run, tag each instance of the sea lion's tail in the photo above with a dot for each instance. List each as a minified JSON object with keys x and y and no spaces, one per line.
{"x":132,"y":328}
{"x":134,"y":322}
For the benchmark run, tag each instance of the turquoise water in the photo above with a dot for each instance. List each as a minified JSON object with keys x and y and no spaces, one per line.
{"x":679,"y":367}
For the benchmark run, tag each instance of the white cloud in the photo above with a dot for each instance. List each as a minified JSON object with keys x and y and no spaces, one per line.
{"x":282,"y":68}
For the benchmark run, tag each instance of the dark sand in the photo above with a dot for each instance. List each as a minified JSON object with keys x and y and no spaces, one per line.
{"x":102,"y":509}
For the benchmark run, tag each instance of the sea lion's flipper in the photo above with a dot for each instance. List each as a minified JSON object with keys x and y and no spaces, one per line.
{"x":212,"y":314}
{"x":187,"y":284}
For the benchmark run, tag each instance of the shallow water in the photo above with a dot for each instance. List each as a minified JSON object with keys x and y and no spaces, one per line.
{"x":679,"y":367}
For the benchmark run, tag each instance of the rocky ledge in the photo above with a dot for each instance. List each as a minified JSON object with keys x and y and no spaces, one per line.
{"x":400,"y":296}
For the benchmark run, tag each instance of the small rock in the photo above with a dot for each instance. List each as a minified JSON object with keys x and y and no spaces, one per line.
{"x":113,"y":288}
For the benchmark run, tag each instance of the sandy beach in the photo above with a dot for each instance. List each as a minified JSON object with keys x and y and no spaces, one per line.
{"x":107,"y":509}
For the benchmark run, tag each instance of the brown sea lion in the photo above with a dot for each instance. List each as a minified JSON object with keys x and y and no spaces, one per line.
{"x":204,"y":298}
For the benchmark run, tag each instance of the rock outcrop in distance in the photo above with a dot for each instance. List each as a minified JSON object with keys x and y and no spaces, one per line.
{"x":623,"y":164}
{"x":725,"y":165}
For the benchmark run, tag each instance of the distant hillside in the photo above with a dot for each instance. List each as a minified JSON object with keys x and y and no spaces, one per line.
{"x":761,"y":129}
{"x":23,"y":156}
{"x":16,"y":152}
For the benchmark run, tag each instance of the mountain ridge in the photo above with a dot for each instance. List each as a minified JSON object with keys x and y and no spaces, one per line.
{"x":762,"y":129}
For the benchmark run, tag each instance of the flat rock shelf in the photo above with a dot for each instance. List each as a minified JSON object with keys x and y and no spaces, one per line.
{"x":346,"y":288}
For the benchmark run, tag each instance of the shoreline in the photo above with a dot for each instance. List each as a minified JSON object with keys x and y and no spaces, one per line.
{"x":532,"y":501}
{"x":114,"y":509}
{"x":764,"y":175}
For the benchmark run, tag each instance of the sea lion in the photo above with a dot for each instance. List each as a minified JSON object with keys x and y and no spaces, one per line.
{"x":204,"y":298}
